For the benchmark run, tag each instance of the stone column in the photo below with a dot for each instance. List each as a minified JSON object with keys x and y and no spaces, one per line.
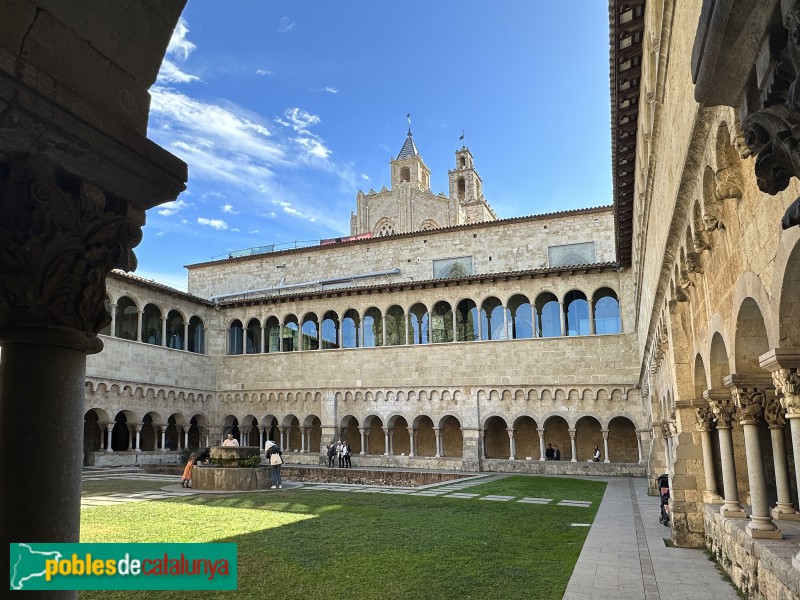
{"x":362,"y":432}
{"x":724,"y":409}
{"x":605,"y":446}
{"x":749,"y":393}
{"x":112,"y":307}
{"x":438,"y":433}
{"x":541,"y":444}
{"x":573,"y":445}
{"x":411,"y":440}
{"x":480,"y":325}
{"x":386,"y":441}
{"x":244,"y":433}
{"x":284,"y":437}
{"x":366,"y":447}
{"x":261,"y":441}
{"x":131,"y":431}
{"x":138,"y":447}
{"x":391,"y":441}
{"x":705,"y":421}
{"x":639,"y":445}
{"x":775,"y":416}
{"x":109,"y":429}
{"x":591,"y":320}
{"x":302,"y":439}
{"x":665,"y":434}
{"x":511,"y":445}
{"x":562,"y":316}
{"x":139,"y":332}
{"x":408,"y":326}
{"x":185,"y":343}
{"x":185,"y":437}
{"x":455,"y":325}
{"x":164,"y":330}
{"x":506,"y":334}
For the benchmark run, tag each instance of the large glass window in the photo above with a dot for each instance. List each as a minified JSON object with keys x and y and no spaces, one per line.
{"x":548,"y":316}
{"x":126,"y":322}
{"x":373,"y":327}
{"x":310,"y":332}
{"x":151,"y":325}
{"x":175,"y":330}
{"x":442,"y":323}
{"x":253,"y":338}
{"x":467,"y":321}
{"x":606,"y":312}
{"x":520,"y":317}
{"x":395,"y":326}
{"x":236,"y":338}
{"x":291,"y":334}
{"x":576,"y":311}
{"x":419,"y":323}
{"x":330,"y":331}
{"x":197,"y":335}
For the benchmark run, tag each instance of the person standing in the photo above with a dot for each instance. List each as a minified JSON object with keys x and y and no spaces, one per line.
{"x":186,"y":480}
{"x":548,"y":454}
{"x":331,"y":453}
{"x":275,"y":460}
{"x":231,"y":441}
{"x":596,"y":454}
{"x":339,"y":453}
{"x":556,"y":453}
{"x":346,"y":454}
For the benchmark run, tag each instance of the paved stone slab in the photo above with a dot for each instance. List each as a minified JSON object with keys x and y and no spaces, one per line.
{"x":462,"y":495}
{"x":536,"y":500}
{"x":497,"y":498}
{"x":581,"y":503}
{"x":581,"y":525}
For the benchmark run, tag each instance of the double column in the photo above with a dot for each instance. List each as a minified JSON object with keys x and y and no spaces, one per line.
{"x":724,"y":409}
{"x":750,"y":394}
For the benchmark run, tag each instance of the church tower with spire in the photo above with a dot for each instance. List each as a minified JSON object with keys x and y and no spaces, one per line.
{"x":411,"y":206}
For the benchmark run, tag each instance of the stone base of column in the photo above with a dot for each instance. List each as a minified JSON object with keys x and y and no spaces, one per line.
{"x":731,"y":511}
{"x":763,"y":530}
{"x":574,"y":460}
{"x":712,"y":498}
{"x":785,"y":513}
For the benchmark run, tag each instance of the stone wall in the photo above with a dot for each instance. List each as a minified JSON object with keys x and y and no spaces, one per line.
{"x":496,"y":247}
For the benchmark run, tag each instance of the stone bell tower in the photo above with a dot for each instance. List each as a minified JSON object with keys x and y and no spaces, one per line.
{"x":466,"y":188}
{"x":409,"y":167}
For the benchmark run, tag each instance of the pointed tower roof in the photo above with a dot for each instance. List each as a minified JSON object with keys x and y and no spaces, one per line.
{"x":409,"y":149}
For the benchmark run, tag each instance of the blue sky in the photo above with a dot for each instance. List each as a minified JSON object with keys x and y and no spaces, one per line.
{"x":284,"y":110}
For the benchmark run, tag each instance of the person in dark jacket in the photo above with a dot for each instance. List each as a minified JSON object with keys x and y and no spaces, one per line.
{"x":331,"y":454}
{"x":275,"y":469}
{"x":556,"y":453}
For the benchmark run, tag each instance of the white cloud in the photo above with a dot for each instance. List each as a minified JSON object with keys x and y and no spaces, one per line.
{"x":300,"y":120}
{"x":263,"y":72}
{"x":254,"y":231}
{"x":235,"y":229}
{"x":313,"y":147}
{"x":178,"y":44}
{"x":330,"y":90}
{"x":365,"y":177}
{"x":228,"y":208}
{"x":217,"y":224}
{"x":170,"y":208}
{"x":286,"y":25}
{"x":171,"y":73}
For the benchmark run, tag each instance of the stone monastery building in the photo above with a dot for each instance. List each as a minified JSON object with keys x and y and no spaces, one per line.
{"x":664,"y":329}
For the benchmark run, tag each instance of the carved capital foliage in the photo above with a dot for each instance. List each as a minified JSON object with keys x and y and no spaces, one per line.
{"x":59,"y":237}
{"x":666,"y":430}
{"x":712,"y":222}
{"x":705,"y":418}
{"x":724,"y":411}
{"x":774,"y":413}
{"x":772,"y":131}
{"x":787,"y":382}
{"x":728,"y":183}
{"x":750,"y":403}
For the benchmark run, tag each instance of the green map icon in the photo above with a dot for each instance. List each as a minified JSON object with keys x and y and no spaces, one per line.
{"x":27,"y":564}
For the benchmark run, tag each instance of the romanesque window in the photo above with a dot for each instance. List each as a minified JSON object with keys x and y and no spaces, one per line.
{"x":196,"y":336}
{"x":126,"y":321}
{"x":373,"y":328}
{"x":405,"y":174}
{"x":272,"y":330}
{"x":236,"y":337}
{"x":606,"y":312}
{"x":310,"y":332}
{"x":462,"y":188}
{"x":395,"y":326}
{"x":492,"y":323}
{"x":291,"y":334}
{"x":548,"y":316}
{"x":521,"y":317}
{"x":467,"y":321}
{"x":571,"y":254}
{"x":419,"y":324}
{"x":151,"y":325}
{"x":350,"y":325}
{"x":463,"y":160}
{"x":175,"y":330}
{"x":429,"y":224}
{"x":442,"y":323}
{"x":330,"y":331}
{"x":576,"y":312}
{"x":253,"y":337}
{"x":447,"y":268}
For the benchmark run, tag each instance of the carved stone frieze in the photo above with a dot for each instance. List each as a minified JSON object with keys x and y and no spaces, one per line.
{"x":59,"y":237}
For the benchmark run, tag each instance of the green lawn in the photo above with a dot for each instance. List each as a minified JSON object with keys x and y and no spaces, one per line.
{"x":344,"y":546}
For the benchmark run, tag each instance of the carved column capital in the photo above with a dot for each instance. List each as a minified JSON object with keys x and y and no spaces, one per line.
{"x":705,"y":418}
{"x":666,"y":430}
{"x":783,"y":363}
{"x":749,"y":391}
{"x":59,"y":237}
{"x":722,"y":405}
{"x":774,"y":413}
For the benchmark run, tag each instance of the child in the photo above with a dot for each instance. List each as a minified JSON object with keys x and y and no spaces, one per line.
{"x":187,"y":472}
